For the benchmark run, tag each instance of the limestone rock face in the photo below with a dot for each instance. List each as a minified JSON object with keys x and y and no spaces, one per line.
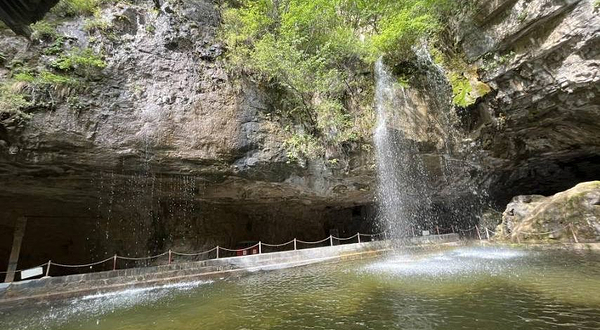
{"x":162,"y":148}
{"x":165,"y":105}
{"x":539,"y":126}
{"x":166,"y":146}
{"x":536,"y":132}
{"x":535,"y":217}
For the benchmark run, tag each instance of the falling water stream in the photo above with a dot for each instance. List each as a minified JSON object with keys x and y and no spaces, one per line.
{"x":417,"y":154}
{"x":402,"y":188}
{"x":391,"y":203}
{"x":422,"y":288}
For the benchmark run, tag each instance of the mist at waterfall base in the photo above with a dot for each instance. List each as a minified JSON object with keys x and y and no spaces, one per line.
{"x":408,"y":193}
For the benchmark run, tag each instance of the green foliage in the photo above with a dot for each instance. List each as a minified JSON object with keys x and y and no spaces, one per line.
{"x":597,"y":4}
{"x":26,"y":85}
{"x":493,"y":61}
{"x":461,"y":89}
{"x":56,"y":47}
{"x":300,"y":145}
{"x":49,"y":78}
{"x":44,"y":78}
{"x":80,"y":61}
{"x":96,"y":23}
{"x":24,"y":77}
{"x":463,"y":77}
{"x":12,"y":102}
{"x":313,"y":49}
{"x":404,"y":25}
{"x":150,"y":28}
{"x":403,"y":81}
{"x":72,"y":8}
{"x":466,"y":87}
{"x":43,"y":29}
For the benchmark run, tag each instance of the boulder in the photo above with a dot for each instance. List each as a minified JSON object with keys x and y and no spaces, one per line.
{"x":570,"y":215}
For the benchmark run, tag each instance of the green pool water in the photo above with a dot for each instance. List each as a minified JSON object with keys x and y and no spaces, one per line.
{"x":461,"y":288}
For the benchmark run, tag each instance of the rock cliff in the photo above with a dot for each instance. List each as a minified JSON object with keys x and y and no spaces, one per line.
{"x":165,"y":104}
{"x":162,"y":147}
{"x":539,"y":126}
{"x":164,"y":144}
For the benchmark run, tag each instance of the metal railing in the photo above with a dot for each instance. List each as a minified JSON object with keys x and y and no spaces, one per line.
{"x":220,"y":252}
{"x":214,"y":253}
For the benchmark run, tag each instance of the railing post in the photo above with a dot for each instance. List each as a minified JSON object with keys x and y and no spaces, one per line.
{"x":48,"y":268}
{"x":437,"y":228}
{"x":413,"y":230}
{"x":478,"y":234}
{"x":573,"y":232}
{"x":13,"y":259}
{"x":518,"y":239}
{"x":358,"y":235}
{"x":452,"y":228}
{"x":259,"y":247}
{"x":169,"y":256}
{"x":487,"y":233}
{"x":115,"y":262}
{"x":217,"y":252}
{"x":294,"y":244}
{"x":385,"y":236}
{"x":331,"y":240}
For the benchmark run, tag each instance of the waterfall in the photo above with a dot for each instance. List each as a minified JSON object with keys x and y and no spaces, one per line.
{"x":423,"y":168}
{"x":387,"y":198}
{"x":400,"y":172}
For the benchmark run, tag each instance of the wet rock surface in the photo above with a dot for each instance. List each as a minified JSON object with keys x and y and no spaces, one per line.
{"x":165,"y":104}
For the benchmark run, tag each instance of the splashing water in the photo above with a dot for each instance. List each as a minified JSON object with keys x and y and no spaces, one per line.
{"x":423,"y":170}
{"x":97,"y":306}
{"x":400,"y":172}
{"x":458,"y":262}
{"x":432,"y":288}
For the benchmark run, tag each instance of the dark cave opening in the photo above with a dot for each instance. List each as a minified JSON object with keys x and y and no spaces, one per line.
{"x":544,"y":177}
{"x":90,"y":230}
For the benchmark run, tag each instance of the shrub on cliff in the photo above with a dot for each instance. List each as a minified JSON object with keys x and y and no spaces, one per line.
{"x":317,"y":52}
{"x":72,"y":8}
